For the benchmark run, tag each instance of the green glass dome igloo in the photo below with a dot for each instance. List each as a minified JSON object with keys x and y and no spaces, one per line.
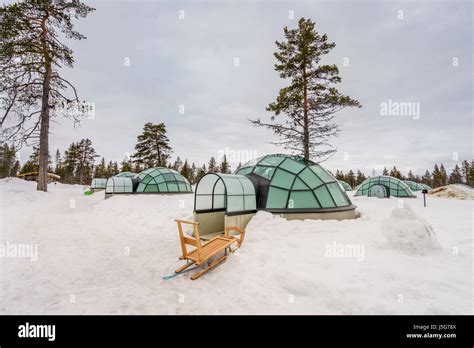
{"x":288,"y":184}
{"x":383,"y":186}
{"x":162,"y":180}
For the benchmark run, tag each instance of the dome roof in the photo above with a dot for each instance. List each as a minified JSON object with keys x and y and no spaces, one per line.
{"x":160,"y":179}
{"x":292,"y":183}
{"x":392,"y":187}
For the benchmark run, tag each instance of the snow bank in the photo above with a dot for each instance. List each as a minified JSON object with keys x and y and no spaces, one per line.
{"x":453,"y":191}
{"x":409,"y":232}
{"x":99,"y":256}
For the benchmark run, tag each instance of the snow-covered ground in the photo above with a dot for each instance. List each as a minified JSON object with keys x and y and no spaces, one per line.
{"x":97,"y":256}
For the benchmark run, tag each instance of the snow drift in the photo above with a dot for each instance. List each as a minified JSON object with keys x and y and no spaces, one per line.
{"x":453,"y":191}
{"x":408,"y":232}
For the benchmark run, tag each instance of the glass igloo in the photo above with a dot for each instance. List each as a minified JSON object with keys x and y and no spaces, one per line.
{"x":415,"y":186}
{"x":383,"y":186}
{"x":290,"y":184}
{"x":345,"y":185}
{"x":98,"y":184}
{"x":162,"y":180}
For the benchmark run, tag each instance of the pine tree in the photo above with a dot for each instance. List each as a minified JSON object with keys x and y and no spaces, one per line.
{"x":437,"y":177}
{"x":152,"y":149}
{"x":456,"y":175}
{"x":224,"y":166}
{"x":32,"y":54}
{"x":137,"y":168}
{"x":212,"y":166}
{"x":426,"y":179}
{"x":70,"y":163}
{"x":86,"y":160}
{"x":192,"y":176}
{"x":470,"y":176}
{"x":466,"y":168}
{"x":351,"y":179}
{"x":395,"y":173}
{"x":177,"y":165}
{"x":200,"y":173}
{"x":444,"y":176}
{"x":311,"y":101}
{"x":385,"y":171}
{"x":359,"y":178}
{"x":100,"y":171}
{"x":411,"y":176}
{"x":28,"y":167}
{"x":7,"y":161}
{"x":186,"y":170}
{"x":15,"y":169}
{"x":126,"y":165}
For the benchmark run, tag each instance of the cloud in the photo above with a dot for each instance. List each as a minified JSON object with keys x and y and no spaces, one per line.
{"x":190,"y":62}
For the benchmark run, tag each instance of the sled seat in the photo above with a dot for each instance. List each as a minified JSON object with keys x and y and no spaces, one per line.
{"x":203,"y":252}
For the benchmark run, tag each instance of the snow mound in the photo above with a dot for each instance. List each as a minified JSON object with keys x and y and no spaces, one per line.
{"x":453,"y":191}
{"x":408,"y":232}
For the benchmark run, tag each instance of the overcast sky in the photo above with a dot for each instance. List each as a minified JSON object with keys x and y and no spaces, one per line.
{"x":191,"y":62}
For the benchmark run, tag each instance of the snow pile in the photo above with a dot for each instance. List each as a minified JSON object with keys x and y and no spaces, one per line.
{"x":409,"y":232}
{"x":453,"y":191}
{"x":97,"y":256}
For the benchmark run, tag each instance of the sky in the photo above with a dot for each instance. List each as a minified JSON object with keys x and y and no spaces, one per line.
{"x":205,"y":67}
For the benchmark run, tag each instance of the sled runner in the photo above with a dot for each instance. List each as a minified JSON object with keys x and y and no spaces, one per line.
{"x":203,"y":252}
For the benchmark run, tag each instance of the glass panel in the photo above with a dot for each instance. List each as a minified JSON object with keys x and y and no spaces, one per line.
{"x":319,"y":171}
{"x":248,"y":186}
{"x":324,"y":197}
{"x":292,"y":166}
{"x":272,"y":160}
{"x":140,"y":188}
{"x":146,"y":179}
{"x":243,"y":171}
{"x":283,"y":179}
{"x":219,"y":201}
{"x":173,"y":187}
{"x":182,"y":186}
{"x":151,"y":188}
{"x":265,"y":172}
{"x":219,"y":188}
{"x":299,"y":185}
{"x":252,"y":162}
{"x":277,"y":198}
{"x":203,"y":202}
{"x":302,"y":199}
{"x":235,"y":203}
{"x":159,"y":179}
{"x":250,"y":203}
{"x":233,"y":185}
{"x":169,"y":177}
{"x":338,"y":195}
{"x":162,"y":187}
{"x":310,"y":178}
{"x":206,"y":183}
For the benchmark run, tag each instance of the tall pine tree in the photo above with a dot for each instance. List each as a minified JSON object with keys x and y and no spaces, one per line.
{"x":32,"y":54}
{"x":310,"y":101}
{"x":152,"y":149}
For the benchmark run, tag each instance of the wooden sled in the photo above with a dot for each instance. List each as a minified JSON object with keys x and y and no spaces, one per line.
{"x":203,"y":252}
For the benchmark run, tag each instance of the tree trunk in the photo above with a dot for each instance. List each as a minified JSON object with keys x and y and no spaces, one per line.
{"x":44,"y":125}
{"x":44,"y":134}
{"x":305,"y":117}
